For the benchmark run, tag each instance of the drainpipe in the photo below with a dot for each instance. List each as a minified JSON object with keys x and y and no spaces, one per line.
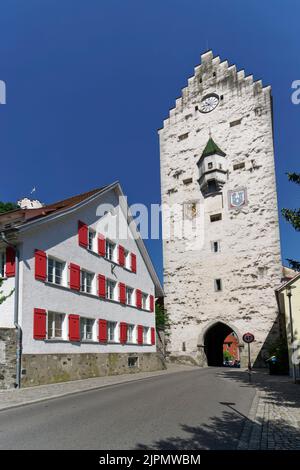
{"x":16,"y":312}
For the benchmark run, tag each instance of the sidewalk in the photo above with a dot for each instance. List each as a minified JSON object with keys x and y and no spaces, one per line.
{"x":29,"y":395}
{"x":274,"y":419}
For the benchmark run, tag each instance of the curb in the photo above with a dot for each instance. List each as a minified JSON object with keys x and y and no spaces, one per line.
{"x":90,"y":389}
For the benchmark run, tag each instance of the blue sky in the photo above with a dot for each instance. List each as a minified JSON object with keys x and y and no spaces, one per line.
{"x":89,"y":82}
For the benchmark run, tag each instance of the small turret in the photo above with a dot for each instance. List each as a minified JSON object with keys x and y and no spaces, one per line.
{"x":212,"y":169}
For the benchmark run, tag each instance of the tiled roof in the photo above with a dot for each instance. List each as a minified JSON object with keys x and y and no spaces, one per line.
{"x":21,"y":216}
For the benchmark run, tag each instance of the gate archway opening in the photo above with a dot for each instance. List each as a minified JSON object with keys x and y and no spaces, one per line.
{"x":218,"y":339}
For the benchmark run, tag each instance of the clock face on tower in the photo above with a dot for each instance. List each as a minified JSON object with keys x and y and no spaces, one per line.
{"x":209,"y":103}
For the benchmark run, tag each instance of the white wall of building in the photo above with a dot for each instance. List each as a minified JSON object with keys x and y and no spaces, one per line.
{"x":59,"y":238}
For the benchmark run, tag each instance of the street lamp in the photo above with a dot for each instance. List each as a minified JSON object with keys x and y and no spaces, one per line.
{"x":289,"y":294}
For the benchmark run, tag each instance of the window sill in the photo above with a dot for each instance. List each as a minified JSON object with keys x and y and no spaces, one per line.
{"x":56,"y":340}
{"x":59,"y":286}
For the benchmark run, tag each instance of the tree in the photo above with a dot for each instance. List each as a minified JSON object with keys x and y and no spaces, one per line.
{"x":7,"y":206}
{"x":2,"y":296}
{"x":162,"y":318}
{"x":227,"y":356}
{"x":293,"y":217}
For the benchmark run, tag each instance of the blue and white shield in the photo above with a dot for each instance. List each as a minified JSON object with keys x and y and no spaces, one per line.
{"x":237,"y":198}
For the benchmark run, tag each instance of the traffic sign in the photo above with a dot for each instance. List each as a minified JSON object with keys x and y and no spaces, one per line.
{"x":248,"y":338}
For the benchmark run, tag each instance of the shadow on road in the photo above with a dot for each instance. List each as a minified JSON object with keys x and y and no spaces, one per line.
{"x":233,"y":428}
{"x":221,"y":433}
{"x":280,"y":389}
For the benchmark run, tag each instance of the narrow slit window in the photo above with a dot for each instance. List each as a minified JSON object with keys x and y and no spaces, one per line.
{"x":218,"y":285}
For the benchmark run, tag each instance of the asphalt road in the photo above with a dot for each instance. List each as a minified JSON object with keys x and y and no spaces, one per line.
{"x":197,"y":409}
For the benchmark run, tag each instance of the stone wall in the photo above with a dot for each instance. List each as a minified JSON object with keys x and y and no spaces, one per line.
{"x":8,"y":347}
{"x":39,"y":369}
{"x":248,"y":260}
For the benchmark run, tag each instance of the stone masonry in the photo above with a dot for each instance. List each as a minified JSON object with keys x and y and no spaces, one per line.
{"x":40,"y":369}
{"x":8,"y":347}
{"x":248,"y":261}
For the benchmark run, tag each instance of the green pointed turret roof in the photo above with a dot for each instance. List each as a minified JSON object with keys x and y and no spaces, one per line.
{"x":211,"y":149}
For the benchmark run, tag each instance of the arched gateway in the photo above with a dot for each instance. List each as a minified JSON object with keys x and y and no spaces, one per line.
{"x":214,"y":343}
{"x":211,"y":343}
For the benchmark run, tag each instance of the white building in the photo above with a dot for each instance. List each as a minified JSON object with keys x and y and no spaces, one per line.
{"x":84,"y":293}
{"x":217,"y":166}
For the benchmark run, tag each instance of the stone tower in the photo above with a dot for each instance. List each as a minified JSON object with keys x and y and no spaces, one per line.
{"x":217,"y":166}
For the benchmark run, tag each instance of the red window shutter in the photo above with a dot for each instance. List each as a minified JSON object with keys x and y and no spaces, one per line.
{"x":101,"y":286}
{"x":102,"y":331}
{"x":151,"y":303}
{"x":74,"y":327}
{"x":123,"y":332}
{"x":122,"y":293}
{"x":82,"y":234}
{"x":140,"y":334}
{"x":40,"y":265}
{"x":133,"y":262}
{"x":10,"y":266}
{"x":121,"y":255}
{"x":138,"y":298}
{"x":74,"y":276}
{"x":152,"y":335}
{"x":39,"y":323}
{"x":101,"y":245}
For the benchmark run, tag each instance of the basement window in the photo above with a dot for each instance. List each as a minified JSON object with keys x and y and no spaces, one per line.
{"x":133,"y":361}
{"x":218,"y":285}
{"x":183,"y":136}
{"x":215,"y":217}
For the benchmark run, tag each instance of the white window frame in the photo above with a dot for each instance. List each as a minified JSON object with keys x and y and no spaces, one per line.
{"x":110,"y":250}
{"x":131,"y":290}
{"x":146,"y":333}
{"x":85,"y":331}
{"x":145,"y":301}
{"x":53,"y":327}
{"x":131,"y":334}
{"x":2,"y":263}
{"x":54,"y":275}
{"x":91,"y":239}
{"x":127,"y":259}
{"x":87,"y":288}
{"x":112,"y":338}
{"x":110,"y":287}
